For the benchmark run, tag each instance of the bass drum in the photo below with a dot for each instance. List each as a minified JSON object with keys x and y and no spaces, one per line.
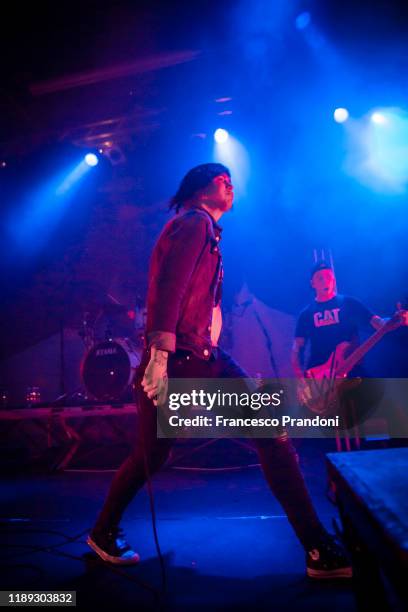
{"x":109,"y":367}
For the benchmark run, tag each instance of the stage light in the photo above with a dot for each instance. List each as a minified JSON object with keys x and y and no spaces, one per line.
{"x":341,"y":115}
{"x":303,"y":20}
{"x":378,"y":118}
{"x":233,"y":154}
{"x":380,"y":142}
{"x":221,"y":136}
{"x":91,"y":159}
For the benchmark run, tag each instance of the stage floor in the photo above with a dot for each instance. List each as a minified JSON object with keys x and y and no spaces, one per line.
{"x":224,"y":538}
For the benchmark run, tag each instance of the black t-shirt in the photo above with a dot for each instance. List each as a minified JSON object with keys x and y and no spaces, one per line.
{"x":326,"y":324}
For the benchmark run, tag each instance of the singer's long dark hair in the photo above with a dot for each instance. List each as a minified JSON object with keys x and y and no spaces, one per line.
{"x":196,"y":179}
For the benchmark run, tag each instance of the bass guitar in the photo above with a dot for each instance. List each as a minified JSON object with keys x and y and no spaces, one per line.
{"x":324,"y":385}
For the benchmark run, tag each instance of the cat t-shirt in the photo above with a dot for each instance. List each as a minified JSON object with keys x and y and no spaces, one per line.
{"x":325,"y":324}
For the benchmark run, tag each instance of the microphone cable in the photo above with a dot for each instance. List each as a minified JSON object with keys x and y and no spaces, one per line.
{"x":138,"y":397}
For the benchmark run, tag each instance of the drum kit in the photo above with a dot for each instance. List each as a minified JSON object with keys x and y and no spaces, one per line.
{"x":114,"y":342}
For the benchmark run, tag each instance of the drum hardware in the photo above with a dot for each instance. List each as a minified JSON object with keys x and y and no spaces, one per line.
{"x":108,"y":368}
{"x":111,"y":357}
{"x":87,"y":331}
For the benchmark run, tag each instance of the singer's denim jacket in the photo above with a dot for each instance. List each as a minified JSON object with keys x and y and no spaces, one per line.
{"x":184,"y":284}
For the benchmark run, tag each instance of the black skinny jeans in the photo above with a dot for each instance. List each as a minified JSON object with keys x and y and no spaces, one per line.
{"x":277,"y":456}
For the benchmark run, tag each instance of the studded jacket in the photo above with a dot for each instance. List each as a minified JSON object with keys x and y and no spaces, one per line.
{"x":184,"y":284}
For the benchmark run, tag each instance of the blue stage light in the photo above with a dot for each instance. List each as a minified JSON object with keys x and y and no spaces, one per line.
{"x":378,"y":118}
{"x":341,"y":115}
{"x":91,"y":159}
{"x":379,"y":158}
{"x":221,"y":136}
{"x":303,"y":20}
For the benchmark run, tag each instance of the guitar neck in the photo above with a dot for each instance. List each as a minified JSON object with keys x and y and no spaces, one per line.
{"x":349,"y":363}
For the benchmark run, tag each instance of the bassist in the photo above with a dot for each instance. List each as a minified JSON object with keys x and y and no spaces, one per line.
{"x":327,"y":322}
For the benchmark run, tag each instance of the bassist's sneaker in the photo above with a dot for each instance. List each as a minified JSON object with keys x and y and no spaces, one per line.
{"x":112,"y":547}
{"x":328,"y":560}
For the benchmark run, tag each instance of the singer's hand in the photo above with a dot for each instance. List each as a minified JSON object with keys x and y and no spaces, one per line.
{"x":155,"y":382}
